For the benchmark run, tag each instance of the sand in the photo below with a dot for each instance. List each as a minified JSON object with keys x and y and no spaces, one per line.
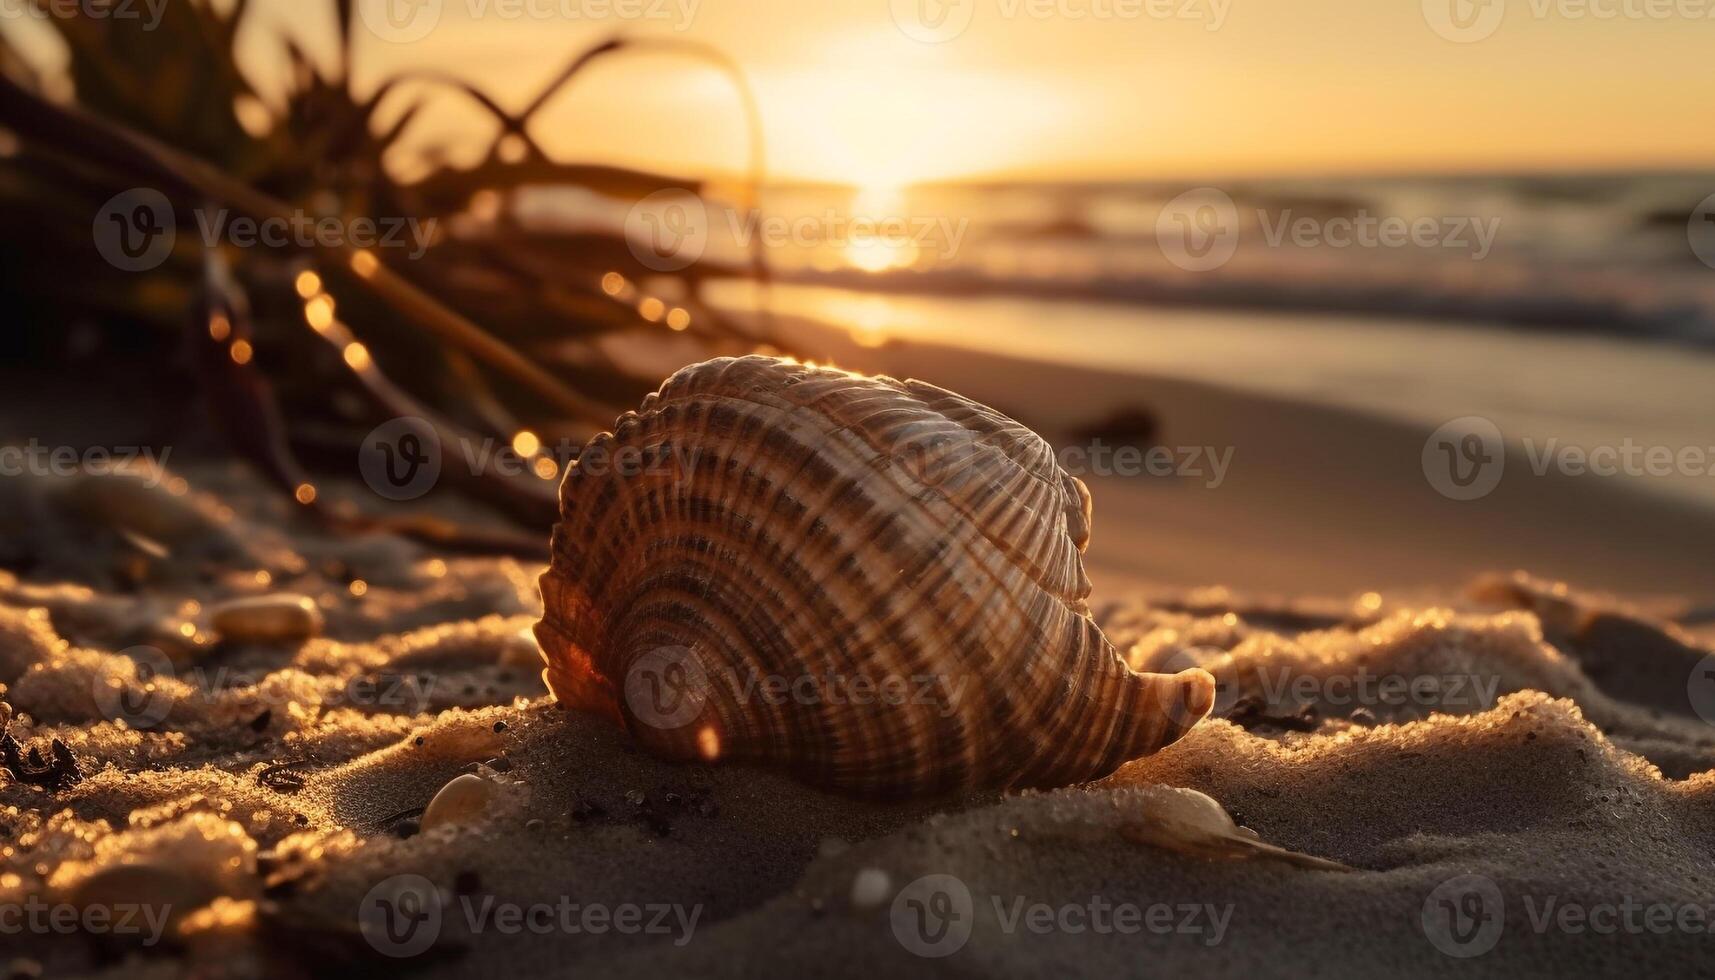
{"x":1532,"y":755}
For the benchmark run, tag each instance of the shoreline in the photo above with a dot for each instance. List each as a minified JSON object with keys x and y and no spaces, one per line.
{"x":1318,"y":499}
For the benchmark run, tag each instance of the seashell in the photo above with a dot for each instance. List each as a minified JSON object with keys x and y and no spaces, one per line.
{"x":1190,"y":822}
{"x":877,"y":584}
{"x":458,"y":802}
{"x":281,"y":618}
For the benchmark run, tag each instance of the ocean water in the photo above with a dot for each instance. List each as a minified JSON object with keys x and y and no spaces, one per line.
{"x":1610,"y":253}
{"x":1572,"y":308}
{"x":1588,"y":320}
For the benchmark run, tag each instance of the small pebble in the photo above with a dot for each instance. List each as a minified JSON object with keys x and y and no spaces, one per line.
{"x":281,"y":618}
{"x":870,"y":889}
{"x":535,"y":826}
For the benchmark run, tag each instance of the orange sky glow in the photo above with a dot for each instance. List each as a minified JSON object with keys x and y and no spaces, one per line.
{"x":851,"y":92}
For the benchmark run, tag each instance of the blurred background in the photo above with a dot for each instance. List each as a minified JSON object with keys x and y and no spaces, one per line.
{"x":1294,"y":258}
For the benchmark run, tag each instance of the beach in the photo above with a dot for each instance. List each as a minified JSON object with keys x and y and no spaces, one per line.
{"x":1557,"y":758}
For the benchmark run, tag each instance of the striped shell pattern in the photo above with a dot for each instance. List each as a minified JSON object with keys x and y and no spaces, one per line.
{"x":876,"y":584}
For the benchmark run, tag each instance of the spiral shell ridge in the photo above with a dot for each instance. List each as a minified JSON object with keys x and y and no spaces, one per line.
{"x":877,"y":584}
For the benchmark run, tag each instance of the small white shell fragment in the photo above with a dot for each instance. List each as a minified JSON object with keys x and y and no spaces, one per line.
{"x":1184,"y":820}
{"x":870,"y":889}
{"x":458,"y":802}
{"x":279,"y":618}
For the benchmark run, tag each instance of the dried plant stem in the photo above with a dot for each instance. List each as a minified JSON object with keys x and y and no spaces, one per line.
{"x":386,"y":284}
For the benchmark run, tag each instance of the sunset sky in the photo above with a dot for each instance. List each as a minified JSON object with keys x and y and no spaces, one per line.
{"x":1030,"y":89}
